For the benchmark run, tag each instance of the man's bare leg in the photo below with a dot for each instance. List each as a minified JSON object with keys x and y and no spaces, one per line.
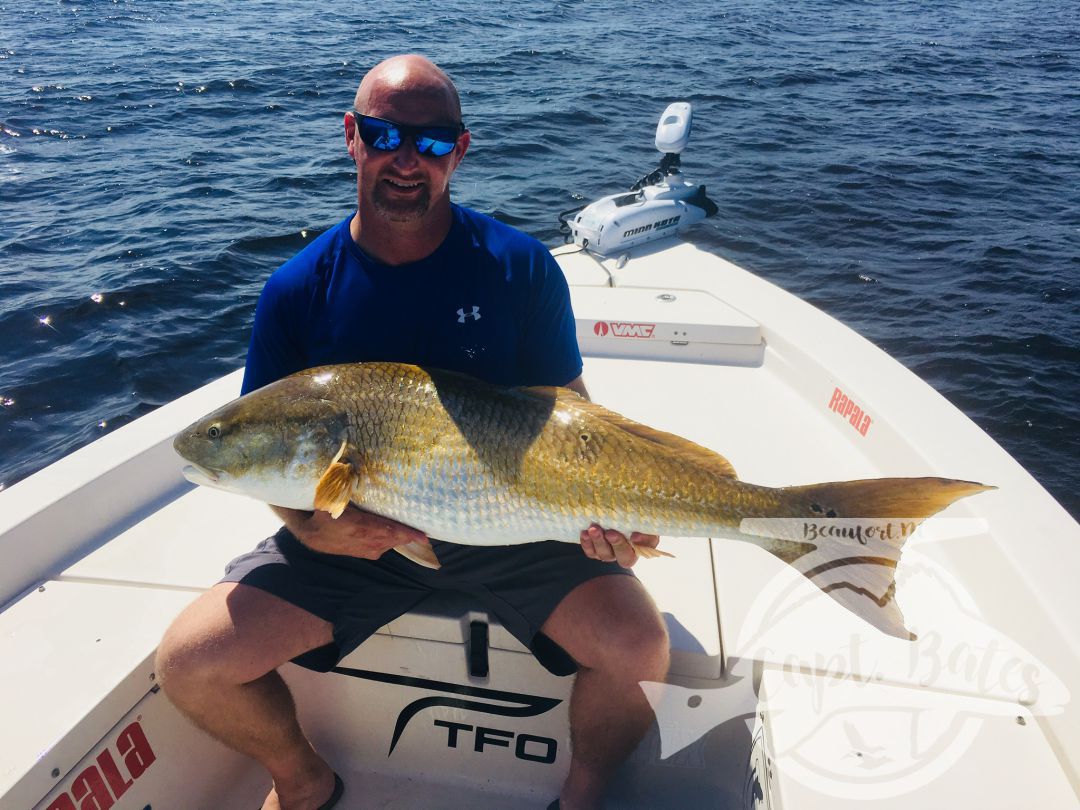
{"x":217,"y":663}
{"x":613,"y":630}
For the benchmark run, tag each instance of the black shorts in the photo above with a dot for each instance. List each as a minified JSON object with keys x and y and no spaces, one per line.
{"x":520,"y":585}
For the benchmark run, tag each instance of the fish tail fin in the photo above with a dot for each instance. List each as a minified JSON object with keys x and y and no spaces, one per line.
{"x":846,"y":537}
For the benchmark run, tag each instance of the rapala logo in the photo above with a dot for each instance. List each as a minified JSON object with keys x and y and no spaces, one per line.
{"x":841,"y":404}
{"x":528,"y":747}
{"x":99,"y":786}
{"x":624,"y":329}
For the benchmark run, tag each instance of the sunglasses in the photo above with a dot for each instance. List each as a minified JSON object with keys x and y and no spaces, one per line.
{"x":386,"y":136}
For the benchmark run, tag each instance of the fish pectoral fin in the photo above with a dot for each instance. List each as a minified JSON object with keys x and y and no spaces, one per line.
{"x":419,"y":553}
{"x":650,"y":553}
{"x":335,"y":488}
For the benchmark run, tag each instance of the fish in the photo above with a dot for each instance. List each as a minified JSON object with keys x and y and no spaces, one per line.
{"x":466,"y":461}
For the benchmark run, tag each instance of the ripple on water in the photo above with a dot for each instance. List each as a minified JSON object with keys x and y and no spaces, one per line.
{"x":909,"y":167}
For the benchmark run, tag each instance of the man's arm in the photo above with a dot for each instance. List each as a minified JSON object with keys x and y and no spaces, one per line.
{"x":577,"y":385}
{"x":607,"y":544}
{"x":356,"y":533}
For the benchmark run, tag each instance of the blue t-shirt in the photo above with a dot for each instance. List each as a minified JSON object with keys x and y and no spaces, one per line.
{"x":490,"y":302}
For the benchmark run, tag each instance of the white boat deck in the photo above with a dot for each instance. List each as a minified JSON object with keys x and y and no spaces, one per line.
{"x":100,"y":551}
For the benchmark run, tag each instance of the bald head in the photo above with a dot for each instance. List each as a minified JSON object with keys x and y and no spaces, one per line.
{"x":412,"y":82}
{"x":403,"y":193}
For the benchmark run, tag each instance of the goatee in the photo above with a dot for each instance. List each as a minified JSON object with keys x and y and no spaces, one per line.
{"x":399,"y":210}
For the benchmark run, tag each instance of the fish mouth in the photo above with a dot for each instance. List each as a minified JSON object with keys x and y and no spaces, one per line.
{"x":197,"y":474}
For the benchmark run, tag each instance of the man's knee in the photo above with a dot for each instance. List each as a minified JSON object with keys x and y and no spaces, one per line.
{"x":611,"y":624}
{"x":638,"y":650}
{"x":189,"y":658}
{"x":233,"y":634}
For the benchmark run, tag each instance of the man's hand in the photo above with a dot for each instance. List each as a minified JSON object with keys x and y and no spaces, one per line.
{"x":612,"y":546}
{"x":356,"y":533}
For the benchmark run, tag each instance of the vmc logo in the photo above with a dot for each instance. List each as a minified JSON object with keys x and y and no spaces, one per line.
{"x":624,"y":329}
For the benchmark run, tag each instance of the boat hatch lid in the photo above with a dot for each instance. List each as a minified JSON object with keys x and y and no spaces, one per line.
{"x":664,"y":324}
{"x":652,"y":313}
{"x":837,"y":743}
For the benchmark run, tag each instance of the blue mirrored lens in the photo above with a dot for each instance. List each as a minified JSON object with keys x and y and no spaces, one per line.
{"x":380,"y":135}
{"x":425,"y":145}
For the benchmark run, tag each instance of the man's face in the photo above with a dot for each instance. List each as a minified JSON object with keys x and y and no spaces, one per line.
{"x":403,"y":186}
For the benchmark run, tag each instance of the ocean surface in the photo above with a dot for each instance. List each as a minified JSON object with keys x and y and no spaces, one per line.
{"x":912,"y":168}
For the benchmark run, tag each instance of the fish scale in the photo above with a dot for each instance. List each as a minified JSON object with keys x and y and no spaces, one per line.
{"x":478,"y":464}
{"x":481,"y":464}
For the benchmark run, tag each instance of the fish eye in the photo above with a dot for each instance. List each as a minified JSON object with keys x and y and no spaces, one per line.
{"x":213,"y":431}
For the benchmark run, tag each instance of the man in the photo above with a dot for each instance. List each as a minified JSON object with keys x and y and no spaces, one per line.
{"x":412,"y":278}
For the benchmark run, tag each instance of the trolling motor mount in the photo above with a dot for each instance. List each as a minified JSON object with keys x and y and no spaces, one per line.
{"x":660,"y":204}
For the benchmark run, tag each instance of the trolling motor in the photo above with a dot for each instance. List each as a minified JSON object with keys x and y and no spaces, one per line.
{"x":660,"y":204}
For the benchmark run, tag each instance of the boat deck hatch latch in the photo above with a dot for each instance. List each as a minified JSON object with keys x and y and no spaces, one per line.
{"x":476,"y":650}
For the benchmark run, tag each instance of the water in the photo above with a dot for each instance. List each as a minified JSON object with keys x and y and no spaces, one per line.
{"x":912,"y":168}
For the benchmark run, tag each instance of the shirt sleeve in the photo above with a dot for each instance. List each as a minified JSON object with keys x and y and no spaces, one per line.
{"x":550,"y":353}
{"x":273,"y":352}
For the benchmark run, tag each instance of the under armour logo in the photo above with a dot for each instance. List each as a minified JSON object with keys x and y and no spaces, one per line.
{"x":462,"y":314}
